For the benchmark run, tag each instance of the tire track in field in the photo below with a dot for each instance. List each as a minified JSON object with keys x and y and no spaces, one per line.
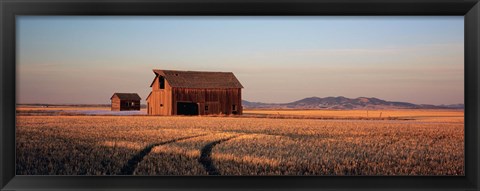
{"x":206,"y":159}
{"x":132,"y":164}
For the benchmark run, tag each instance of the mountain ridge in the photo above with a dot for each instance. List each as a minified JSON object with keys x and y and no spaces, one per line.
{"x":343,"y":103}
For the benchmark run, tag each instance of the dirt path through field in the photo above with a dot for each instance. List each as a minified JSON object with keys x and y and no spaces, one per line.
{"x":206,"y":159}
{"x":132,"y":164}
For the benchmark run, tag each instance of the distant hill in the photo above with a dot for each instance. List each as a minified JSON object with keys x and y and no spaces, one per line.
{"x":343,"y":103}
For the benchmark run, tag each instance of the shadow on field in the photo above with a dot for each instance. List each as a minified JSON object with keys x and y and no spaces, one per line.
{"x":206,"y":159}
{"x":132,"y":164}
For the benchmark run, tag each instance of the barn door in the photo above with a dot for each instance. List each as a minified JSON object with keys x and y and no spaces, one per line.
{"x":187,"y":108}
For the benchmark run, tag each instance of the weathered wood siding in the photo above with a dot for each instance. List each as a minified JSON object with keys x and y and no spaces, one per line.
{"x":119,"y":105}
{"x":115,"y":103}
{"x":160,"y":101}
{"x":126,"y":106}
{"x":219,"y":101}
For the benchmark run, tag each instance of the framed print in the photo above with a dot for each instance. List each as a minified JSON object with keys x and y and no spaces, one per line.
{"x":248,"y":95}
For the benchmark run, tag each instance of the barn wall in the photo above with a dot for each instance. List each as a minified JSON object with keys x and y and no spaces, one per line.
{"x":136,"y":105}
{"x":240,"y":106}
{"x":115,"y":103}
{"x":160,"y":97}
{"x":219,"y":101}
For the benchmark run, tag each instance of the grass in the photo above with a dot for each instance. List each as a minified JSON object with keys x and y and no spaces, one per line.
{"x":447,"y":115}
{"x":429,"y":144}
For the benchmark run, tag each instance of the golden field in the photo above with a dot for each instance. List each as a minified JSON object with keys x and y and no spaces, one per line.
{"x":262,"y":142}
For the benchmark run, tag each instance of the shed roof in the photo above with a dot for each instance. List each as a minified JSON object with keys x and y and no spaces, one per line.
{"x":199,"y":79}
{"x":127,"y":96}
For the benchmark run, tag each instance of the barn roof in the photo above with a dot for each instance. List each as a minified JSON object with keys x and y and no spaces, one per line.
{"x":199,"y":79}
{"x":149,"y":95}
{"x":127,"y":96}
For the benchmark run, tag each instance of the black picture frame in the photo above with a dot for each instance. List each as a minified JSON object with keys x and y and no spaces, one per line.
{"x":9,"y":9}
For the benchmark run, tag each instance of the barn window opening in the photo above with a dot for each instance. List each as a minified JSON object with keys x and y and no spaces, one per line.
{"x":206,"y":108}
{"x":162,"y":82}
{"x":234,"y":107}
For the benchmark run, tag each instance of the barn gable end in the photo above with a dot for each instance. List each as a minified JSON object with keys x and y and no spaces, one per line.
{"x":158,"y":102}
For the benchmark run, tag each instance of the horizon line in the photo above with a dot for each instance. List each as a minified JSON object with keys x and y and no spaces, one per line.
{"x":107,"y":103}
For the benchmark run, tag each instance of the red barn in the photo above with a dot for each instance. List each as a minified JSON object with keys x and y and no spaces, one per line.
{"x":194,"y":93}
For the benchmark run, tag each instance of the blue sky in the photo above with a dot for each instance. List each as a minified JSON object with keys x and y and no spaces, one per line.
{"x":79,"y":59}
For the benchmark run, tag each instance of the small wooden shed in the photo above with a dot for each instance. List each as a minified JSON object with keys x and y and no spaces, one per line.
{"x":125,"y":101}
{"x":177,"y":92}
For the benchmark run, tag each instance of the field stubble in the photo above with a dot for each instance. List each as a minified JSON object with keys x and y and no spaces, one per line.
{"x":103,"y":145}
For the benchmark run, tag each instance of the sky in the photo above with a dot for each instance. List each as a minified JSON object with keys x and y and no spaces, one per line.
{"x":85,"y":59}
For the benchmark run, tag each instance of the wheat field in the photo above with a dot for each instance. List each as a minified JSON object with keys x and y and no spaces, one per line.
{"x":429,"y":142}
